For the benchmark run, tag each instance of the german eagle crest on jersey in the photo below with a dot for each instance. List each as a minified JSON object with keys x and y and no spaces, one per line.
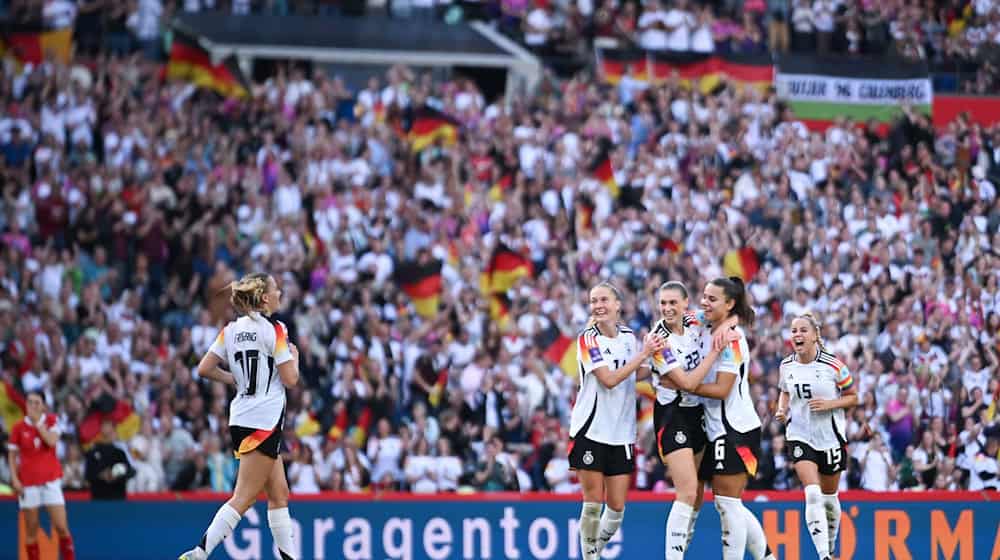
{"x":797,"y":452}
{"x":680,"y":438}
{"x":588,"y":458}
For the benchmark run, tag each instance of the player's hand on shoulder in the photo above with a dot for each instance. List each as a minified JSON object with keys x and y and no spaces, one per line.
{"x":653,"y":343}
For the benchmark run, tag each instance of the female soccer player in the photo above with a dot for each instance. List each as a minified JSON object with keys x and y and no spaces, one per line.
{"x":603,"y":424}
{"x":731,"y":422}
{"x":255,"y":347}
{"x":816,"y":389}
{"x":678,"y":415}
{"x":37,"y":480}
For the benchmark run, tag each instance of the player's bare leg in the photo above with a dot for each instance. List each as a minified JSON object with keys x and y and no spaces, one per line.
{"x":31,"y":532}
{"x":57,"y":516}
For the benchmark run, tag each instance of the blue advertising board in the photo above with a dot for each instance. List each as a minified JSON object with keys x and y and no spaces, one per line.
{"x":904,"y":526}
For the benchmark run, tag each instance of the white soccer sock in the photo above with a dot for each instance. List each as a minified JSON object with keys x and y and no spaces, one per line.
{"x":678,"y":529}
{"x":222,"y":526}
{"x":281,"y":529}
{"x":756,"y":539}
{"x":691,"y":524}
{"x":816,"y":521}
{"x":832,"y":505}
{"x":734,"y":528}
{"x":610,"y":522}
{"x":590,"y":523}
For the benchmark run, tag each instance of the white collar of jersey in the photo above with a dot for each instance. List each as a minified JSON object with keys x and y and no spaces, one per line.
{"x":255,"y":315}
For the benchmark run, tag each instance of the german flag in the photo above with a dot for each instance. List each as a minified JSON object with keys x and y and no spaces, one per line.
{"x":437,"y":391}
{"x":422,"y":282}
{"x":35,"y":44}
{"x":429,"y":126}
{"x":500,"y":311}
{"x":613,"y":64}
{"x":504,"y":268}
{"x":12,"y":405}
{"x":124,"y":418}
{"x":558,"y":349}
{"x":707,"y":72}
{"x":339,"y":427}
{"x":743,"y":262}
{"x":602,"y":170}
{"x":191,"y":62}
{"x":308,"y":426}
{"x":501,"y":186}
{"x":360,"y":430}
{"x":671,"y":246}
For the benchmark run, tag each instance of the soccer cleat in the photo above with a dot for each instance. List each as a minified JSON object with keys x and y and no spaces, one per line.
{"x":193,"y":554}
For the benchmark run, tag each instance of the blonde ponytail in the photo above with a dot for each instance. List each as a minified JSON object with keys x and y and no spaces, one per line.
{"x":248,"y":293}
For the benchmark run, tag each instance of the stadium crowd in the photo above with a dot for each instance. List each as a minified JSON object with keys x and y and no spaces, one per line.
{"x":129,"y":204}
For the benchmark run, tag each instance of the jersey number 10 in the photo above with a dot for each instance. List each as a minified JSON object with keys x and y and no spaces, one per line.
{"x":249,"y":362}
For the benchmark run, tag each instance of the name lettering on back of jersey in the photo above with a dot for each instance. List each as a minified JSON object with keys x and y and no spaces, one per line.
{"x":246,"y":337}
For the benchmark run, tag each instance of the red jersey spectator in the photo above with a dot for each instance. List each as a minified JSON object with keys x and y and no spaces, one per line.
{"x":37,"y":477}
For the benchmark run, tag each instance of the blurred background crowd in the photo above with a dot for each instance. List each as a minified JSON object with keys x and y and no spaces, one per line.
{"x":128,"y":203}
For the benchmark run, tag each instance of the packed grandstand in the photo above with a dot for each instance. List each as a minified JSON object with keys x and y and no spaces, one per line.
{"x":432,"y":293}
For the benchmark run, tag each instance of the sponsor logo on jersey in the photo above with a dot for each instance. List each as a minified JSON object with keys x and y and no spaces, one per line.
{"x":588,"y":458}
{"x":246,"y":337}
{"x":680,"y":438}
{"x":595,"y":354}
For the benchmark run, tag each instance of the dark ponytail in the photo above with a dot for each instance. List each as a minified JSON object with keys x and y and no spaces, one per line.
{"x":735,"y":290}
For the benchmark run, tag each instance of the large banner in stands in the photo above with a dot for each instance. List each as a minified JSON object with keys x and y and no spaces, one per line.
{"x":909,"y":526}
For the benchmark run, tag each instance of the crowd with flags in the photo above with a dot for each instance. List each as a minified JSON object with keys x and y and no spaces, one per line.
{"x":435,"y":248}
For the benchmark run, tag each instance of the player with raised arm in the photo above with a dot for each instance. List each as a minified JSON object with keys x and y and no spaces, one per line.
{"x":603,"y":421}
{"x":816,"y":389}
{"x":37,"y":477}
{"x":263,"y":363}
{"x":731,"y":421}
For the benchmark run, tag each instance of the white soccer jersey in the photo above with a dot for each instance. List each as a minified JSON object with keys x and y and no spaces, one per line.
{"x":823,"y":378}
{"x":607,"y":414}
{"x":254,"y":347}
{"x":736,"y":412}
{"x":683,"y":351}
